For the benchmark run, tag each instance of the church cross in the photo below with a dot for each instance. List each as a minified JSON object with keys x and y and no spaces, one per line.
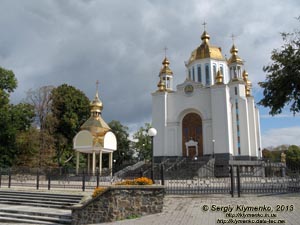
{"x":165,"y":49}
{"x":204,"y":25}
{"x":233,"y":37}
{"x":97,"y":85}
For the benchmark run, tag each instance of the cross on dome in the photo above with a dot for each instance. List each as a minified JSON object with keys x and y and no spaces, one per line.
{"x":204,"y":25}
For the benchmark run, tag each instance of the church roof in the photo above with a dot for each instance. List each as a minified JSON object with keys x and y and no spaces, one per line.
{"x":205,"y":50}
{"x":96,"y":125}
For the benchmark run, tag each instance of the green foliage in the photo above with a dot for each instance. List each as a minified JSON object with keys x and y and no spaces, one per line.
{"x":123,"y":152}
{"x":143,"y":144}
{"x":8,"y":83}
{"x":282,"y":85}
{"x":13,"y":119}
{"x":70,"y":108}
{"x":293,"y":157}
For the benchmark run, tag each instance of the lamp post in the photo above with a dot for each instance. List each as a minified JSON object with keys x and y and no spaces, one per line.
{"x":152,"y":133}
{"x":213,"y":153}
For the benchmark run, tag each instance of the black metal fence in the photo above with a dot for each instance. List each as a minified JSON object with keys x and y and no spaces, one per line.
{"x":180,"y":178}
{"x":53,"y":178}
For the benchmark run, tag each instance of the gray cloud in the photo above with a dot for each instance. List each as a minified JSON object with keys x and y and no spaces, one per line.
{"x":120,"y":43}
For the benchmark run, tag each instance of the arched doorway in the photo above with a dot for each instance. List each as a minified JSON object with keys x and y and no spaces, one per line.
{"x":192,"y":132}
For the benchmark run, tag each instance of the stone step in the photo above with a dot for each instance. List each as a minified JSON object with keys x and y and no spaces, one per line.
{"x":46,"y":199}
{"x":35,"y":204}
{"x":60,"y":214}
{"x":44,"y":219}
{"x":54,"y":195}
{"x":21,"y":221}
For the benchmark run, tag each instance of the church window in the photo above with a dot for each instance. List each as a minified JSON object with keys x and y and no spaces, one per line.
{"x":222,"y":70}
{"x":199,"y":73}
{"x":190,"y":75}
{"x":207,"y":75}
{"x":215,"y":70}
{"x":193,"y":70}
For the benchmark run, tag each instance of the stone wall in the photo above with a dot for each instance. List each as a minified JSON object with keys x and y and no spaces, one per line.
{"x":120,"y":202}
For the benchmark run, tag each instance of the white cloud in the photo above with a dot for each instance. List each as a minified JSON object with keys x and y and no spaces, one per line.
{"x":281,"y":136}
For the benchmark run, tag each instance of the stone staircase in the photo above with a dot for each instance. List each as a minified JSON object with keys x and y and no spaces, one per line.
{"x":36,"y":207}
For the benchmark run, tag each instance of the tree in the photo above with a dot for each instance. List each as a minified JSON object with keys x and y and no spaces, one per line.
{"x":282,"y":84}
{"x":8,"y":83}
{"x":41,"y":100}
{"x":70,"y":109}
{"x":123,"y":152}
{"x":143,"y":142}
{"x":13,"y":119}
{"x":293,"y":157}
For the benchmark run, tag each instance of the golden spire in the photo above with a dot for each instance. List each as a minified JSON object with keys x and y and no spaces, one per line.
{"x":219,"y":78}
{"x":96,"y":105}
{"x":165,"y":68}
{"x":248,"y":84}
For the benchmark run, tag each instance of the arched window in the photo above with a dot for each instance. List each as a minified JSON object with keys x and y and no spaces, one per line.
{"x":207,"y":77}
{"x":190,"y":75}
{"x":193,"y":70}
{"x":215,"y":70}
{"x":199,"y":73}
{"x":222,"y":70}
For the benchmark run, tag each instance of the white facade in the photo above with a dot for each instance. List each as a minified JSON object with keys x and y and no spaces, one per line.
{"x":213,"y":108}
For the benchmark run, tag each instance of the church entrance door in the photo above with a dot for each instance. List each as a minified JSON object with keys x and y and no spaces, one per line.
{"x":192,"y":133}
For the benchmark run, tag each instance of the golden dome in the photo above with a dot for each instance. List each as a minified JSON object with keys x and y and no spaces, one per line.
{"x":205,"y":50}
{"x":165,"y":68}
{"x":234,"y":56}
{"x":161,"y":86}
{"x":205,"y":36}
{"x":95,"y":124}
{"x":219,"y":78}
{"x":248,"y":84}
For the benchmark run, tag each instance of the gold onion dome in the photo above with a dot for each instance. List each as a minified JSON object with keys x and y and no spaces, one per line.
{"x":205,"y":37}
{"x":161,"y":86}
{"x":165,"y":68}
{"x":205,"y":50}
{"x":234,"y":56}
{"x":219,"y":78}
{"x":96,"y":105}
{"x":95,"y":123}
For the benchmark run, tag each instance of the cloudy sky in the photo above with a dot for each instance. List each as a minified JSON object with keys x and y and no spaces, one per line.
{"x":120,"y":43}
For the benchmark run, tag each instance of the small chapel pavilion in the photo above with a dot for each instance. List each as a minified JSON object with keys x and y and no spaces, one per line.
{"x":95,"y":139}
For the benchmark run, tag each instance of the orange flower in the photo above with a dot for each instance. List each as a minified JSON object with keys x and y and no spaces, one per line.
{"x":98,"y":191}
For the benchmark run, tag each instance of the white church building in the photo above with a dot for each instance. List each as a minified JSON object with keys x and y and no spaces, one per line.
{"x":212,"y":113}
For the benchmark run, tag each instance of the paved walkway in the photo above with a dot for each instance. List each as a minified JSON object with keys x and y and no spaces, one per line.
{"x":182,"y":210}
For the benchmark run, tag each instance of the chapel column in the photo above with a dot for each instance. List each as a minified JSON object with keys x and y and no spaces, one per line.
{"x":100,"y":162}
{"x":110,"y":162}
{"x":94,"y":162}
{"x":88,"y":161}
{"x":77,"y":162}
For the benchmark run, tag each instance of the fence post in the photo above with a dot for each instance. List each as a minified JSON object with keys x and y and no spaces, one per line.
{"x":238,"y":181}
{"x":37,"y":179}
{"x":83,"y":181}
{"x":98,"y":174}
{"x":49,"y":180}
{"x":232,"y":181}
{"x":162,"y":174}
{"x":9,"y":178}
